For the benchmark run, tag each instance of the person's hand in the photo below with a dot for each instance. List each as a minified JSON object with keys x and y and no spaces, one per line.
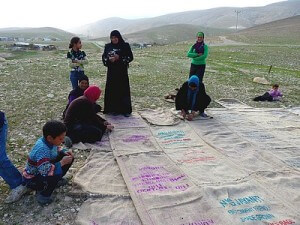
{"x":117,"y":57}
{"x":190,"y":117}
{"x":106,"y":123}
{"x":66,"y":160}
{"x":110,"y":127}
{"x":112,"y":59}
{"x":70,"y":153}
{"x":183,"y":114}
{"x":199,"y":54}
{"x":75,"y":61}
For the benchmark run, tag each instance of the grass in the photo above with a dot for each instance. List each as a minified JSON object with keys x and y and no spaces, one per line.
{"x":26,"y":78}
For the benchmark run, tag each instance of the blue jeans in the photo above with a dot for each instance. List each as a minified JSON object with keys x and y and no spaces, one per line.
{"x":8,"y":171}
{"x":74,"y":78}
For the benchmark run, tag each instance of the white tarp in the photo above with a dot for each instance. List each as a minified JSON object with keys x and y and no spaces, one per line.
{"x":161,"y":192}
{"x":276,"y":132}
{"x":121,"y":122}
{"x":160,"y":117}
{"x":231,"y":170}
{"x":103,"y":145}
{"x":249,"y":202}
{"x":204,"y":165}
{"x":175,"y":136}
{"x":100,"y":176}
{"x":232,"y":103}
{"x":131,"y":141}
{"x":108,"y":211}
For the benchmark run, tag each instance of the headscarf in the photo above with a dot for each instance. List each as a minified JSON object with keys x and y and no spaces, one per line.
{"x":83,"y":77}
{"x":199,"y":46}
{"x":192,"y":94}
{"x":200,"y":34}
{"x":92,"y":93}
{"x":116,"y":33}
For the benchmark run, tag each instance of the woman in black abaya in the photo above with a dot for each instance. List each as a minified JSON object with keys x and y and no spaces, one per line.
{"x":116,"y":57}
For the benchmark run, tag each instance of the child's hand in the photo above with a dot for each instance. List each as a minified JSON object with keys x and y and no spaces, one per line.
{"x":110,"y":127}
{"x":75,"y":61}
{"x":70,"y":153}
{"x":199,"y":54}
{"x":66,"y":160}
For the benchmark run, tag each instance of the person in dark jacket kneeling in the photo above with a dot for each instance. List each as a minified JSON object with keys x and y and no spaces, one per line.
{"x":192,"y":98}
{"x":82,"y":122}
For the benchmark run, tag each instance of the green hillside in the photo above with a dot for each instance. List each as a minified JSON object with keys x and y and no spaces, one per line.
{"x":43,"y":32}
{"x":286,"y":31}
{"x":170,"y":34}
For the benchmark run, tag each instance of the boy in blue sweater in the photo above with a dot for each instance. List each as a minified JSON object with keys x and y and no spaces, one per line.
{"x":47,"y":162}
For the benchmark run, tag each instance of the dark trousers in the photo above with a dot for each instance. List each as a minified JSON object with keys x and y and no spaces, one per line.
{"x":46,"y":185}
{"x":265,"y":97}
{"x":201,"y":105}
{"x":198,"y":70}
{"x":85,"y":133}
{"x":204,"y":103}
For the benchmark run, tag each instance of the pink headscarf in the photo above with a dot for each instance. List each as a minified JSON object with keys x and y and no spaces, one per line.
{"x":92,"y":93}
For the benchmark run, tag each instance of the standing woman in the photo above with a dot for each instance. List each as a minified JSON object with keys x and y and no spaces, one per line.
{"x":77,"y":60}
{"x":116,"y":57}
{"x":198,"y":53}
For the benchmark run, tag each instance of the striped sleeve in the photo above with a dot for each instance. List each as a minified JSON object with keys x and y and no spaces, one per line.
{"x":43,"y":164}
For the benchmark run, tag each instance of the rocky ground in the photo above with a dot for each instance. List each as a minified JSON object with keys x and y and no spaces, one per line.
{"x":34,"y":88}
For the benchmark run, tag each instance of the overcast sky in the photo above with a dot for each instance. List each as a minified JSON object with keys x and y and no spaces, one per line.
{"x":66,"y":14}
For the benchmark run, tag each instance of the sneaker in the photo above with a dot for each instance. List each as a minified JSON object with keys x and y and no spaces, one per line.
{"x":43,"y":200}
{"x":16,"y":194}
{"x":204,"y":115}
{"x":68,"y":142}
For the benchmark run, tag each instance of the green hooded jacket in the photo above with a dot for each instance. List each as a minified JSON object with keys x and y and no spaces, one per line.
{"x":196,"y":59}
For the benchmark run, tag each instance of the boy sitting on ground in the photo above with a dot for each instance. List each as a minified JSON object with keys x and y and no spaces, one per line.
{"x":47,"y":162}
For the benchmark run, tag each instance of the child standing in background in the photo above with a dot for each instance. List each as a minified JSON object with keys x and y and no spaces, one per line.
{"x":77,"y":60}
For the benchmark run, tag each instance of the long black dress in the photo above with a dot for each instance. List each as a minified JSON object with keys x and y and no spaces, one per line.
{"x":117,"y":91}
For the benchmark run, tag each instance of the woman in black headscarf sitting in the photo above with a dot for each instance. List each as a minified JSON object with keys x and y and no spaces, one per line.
{"x":116,"y":57}
{"x":78,"y":92}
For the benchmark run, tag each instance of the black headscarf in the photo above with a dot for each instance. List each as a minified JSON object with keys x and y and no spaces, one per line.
{"x":83,"y":77}
{"x":116,"y":33}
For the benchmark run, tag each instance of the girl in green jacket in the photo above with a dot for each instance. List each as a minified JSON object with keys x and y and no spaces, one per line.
{"x":198,"y":53}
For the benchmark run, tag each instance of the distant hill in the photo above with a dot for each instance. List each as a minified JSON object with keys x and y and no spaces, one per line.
{"x":223,"y":18}
{"x":285,"y":31}
{"x":169,"y":34}
{"x":43,"y":32}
